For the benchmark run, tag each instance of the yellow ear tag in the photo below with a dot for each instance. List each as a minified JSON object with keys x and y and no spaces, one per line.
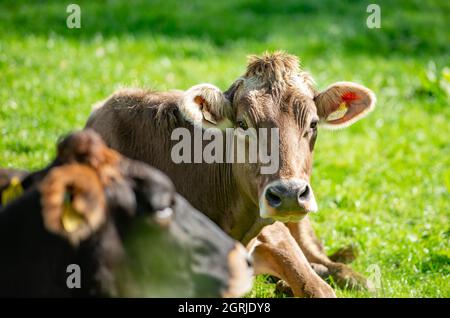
{"x":71,"y":219}
{"x":338,"y":113}
{"x":13,"y":191}
{"x":208,"y":117}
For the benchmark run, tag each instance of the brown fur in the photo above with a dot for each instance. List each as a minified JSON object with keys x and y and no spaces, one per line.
{"x":88,"y":148}
{"x":136,"y":115}
{"x":276,"y":71}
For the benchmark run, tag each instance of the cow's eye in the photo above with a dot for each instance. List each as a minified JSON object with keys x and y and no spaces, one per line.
{"x":312,"y":131}
{"x":242,"y":124}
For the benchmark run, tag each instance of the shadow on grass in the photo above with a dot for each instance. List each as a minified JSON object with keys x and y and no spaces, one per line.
{"x":408,"y":27}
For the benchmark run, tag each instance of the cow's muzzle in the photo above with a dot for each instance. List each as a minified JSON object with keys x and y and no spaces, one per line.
{"x":287,"y":200}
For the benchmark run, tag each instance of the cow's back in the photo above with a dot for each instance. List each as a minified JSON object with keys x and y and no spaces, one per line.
{"x":139,"y":125}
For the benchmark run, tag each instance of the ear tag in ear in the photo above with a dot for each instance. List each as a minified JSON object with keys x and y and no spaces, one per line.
{"x":71,"y":220}
{"x":208,"y":117}
{"x":13,"y":191}
{"x":338,"y":113}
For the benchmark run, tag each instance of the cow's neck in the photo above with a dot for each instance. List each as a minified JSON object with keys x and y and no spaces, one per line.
{"x":211,"y":188}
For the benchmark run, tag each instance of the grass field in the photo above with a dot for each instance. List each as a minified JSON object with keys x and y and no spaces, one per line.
{"x":382,"y":184}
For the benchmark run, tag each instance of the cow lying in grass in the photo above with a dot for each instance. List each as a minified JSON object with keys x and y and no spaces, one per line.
{"x":272,"y":94}
{"x":122,"y":223}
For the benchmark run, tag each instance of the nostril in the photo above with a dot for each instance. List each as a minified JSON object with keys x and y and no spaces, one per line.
{"x":304,"y":194}
{"x":273,"y":199}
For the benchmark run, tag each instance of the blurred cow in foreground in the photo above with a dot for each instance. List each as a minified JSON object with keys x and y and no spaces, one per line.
{"x":120,"y":222}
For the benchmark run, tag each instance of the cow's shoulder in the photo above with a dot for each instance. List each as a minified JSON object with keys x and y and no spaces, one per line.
{"x":136,"y":107}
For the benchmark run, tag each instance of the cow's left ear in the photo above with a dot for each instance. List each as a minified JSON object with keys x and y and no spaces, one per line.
{"x":344,"y":103}
{"x":205,"y":105}
{"x":73,"y":202}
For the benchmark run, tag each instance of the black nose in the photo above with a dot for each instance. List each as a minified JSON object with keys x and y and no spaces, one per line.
{"x":289,"y":196}
{"x":273,"y":197}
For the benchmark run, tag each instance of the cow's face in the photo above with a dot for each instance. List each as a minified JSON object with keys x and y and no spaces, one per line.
{"x":288,"y":111}
{"x":275,"y":93}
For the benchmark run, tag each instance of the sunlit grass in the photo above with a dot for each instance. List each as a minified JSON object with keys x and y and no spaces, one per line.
{"x":382,"y":184}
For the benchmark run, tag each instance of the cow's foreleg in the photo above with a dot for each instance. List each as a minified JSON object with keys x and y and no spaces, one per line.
{"x":311,"y":246}
{"x":276,"y":252}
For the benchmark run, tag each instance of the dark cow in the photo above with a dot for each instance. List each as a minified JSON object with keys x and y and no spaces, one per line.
{"x":274,"y":93}
{"x":122,"y":223}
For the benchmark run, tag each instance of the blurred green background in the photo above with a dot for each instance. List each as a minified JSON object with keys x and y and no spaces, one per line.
{"x":382,"y":184}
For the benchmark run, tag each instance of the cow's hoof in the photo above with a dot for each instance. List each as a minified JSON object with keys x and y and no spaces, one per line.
{"x":345,"y":255}
{"x":283,"y":288}
{"x":347,"y":278}
{"x":319,"y":289}
{"x":320,"y":270}
{"x":312,"y":289}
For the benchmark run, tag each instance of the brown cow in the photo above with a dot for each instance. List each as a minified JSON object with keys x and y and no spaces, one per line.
{"x":273,"y":93}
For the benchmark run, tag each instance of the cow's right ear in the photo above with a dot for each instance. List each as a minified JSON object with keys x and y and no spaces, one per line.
{"x":205,"y":105}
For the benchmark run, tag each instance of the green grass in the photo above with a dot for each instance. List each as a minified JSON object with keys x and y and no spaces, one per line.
{"x":382,"y":184}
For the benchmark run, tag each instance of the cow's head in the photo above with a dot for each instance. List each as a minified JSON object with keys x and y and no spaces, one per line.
{"x":275,"y":93}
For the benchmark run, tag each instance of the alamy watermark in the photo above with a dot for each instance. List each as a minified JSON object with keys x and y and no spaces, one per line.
{"x":73,"y":21}
{"x":374,"y":19}
{"x":74,"y":278}
{"x":229,"y":146}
